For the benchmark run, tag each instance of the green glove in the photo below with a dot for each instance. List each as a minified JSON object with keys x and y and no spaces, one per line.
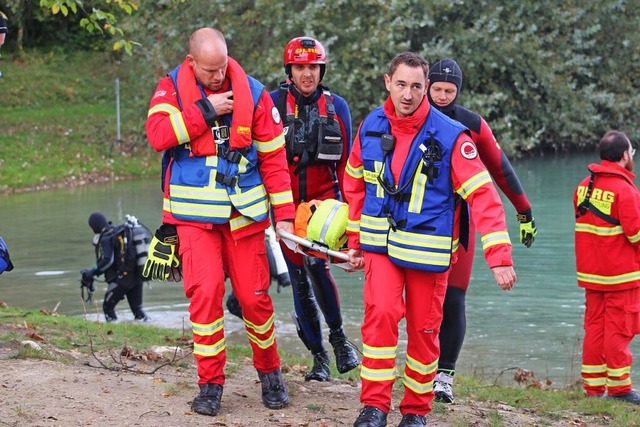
{"x":528,"y":228}
{"x":162,"y":254}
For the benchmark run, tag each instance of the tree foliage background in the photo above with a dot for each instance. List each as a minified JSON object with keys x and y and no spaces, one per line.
{"x":548,"y":75}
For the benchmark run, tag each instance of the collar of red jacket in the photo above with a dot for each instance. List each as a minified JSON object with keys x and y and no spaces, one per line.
{"x":605,"y":166}
{"x":409,"y":124}
{"x":242,"y":118}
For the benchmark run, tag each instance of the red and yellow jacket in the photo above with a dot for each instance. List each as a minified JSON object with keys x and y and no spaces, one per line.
{"x":608,"y":254}
{"x":171,"y":125}
{"x":469,"y":177}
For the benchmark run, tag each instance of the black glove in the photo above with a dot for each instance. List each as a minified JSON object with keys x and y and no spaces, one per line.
{"x":283,"y":281}
{"x":86,"y":280}
{"x":528,"y":228}
{"x":162,"y":254}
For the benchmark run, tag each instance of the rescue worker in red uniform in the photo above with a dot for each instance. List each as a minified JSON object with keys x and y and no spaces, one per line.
{"x":317,"y":127}
{"x":409,"y":166}
{"x":445,"y":82}
{"x":226,"y":166}
{"x":607,"y":245}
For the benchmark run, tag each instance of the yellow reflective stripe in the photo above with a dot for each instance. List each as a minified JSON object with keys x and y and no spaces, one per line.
{"x":609,"y":280}
{"x":353,"y":226}
{"x":418,"y":190}
{"x":379,"y":170}
{"x":209,"y":350}
{"x":619,"y":371}
{"x":377,"y":374}
{"x":600,"y":231}
{"x":208,"y":193}
{"x":254,"y":210}
{"x":414,"y":239}
{"x":372,"y":239}
{"x":618,"y":383}
{"x":455,"y":245}
{"x":191,"y":209}
{"x":495,"y":238}
{"x":379,"y":227}
{"x":472,"y":184}
{"x":379,"y":352}
{"x":374,"y":223}
{"x":421,"y":368}
{"x":634,"y":238}
{"x":179,"y":128}
{"x":594,"y":369}
{"x":595,"y":382}
{"x":163,"y":108}
{"x":281,"y":198}
{"x":242,"y":165}
{"x":417,"y":387}
{"x":263,"y":344}
{"x":269,"y":146}
{"x":419,"y":256}
{"x":261,"y":329}
{"x":356,"y":173}
{"x":176,"y":119}
{"x":211,"y":161}
{"x":239,"y":222}
{"x":248,"y":198}
{"x":205,"y":329}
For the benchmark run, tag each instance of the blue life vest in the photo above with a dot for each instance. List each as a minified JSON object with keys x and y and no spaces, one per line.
{"x":412,"y":220}
{"x":205,"y":188}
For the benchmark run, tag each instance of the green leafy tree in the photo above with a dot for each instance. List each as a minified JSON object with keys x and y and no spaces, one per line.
{"x":548,"y":75}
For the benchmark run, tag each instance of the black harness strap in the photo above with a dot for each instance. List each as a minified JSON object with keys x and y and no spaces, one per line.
{"x":586,"y":205}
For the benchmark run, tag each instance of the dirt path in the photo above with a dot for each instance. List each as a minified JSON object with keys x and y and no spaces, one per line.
{"x":36,"y":392}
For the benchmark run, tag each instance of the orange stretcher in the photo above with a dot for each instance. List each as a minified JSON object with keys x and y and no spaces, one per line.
{"x":309,"y":248}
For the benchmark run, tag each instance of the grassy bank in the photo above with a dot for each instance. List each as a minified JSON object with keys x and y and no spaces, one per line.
{"x":59,"y":119}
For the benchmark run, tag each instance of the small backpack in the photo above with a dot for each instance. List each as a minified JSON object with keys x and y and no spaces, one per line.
{"x":141,"y":238}
{"x":324,"y":222}
{"x":5,"y":260}
{"x":131,"y":249}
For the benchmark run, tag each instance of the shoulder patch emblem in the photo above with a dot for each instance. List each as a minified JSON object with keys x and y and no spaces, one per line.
{"x":160,"y":93}
{"x":276,"y":115}
{"x":468,"y":150}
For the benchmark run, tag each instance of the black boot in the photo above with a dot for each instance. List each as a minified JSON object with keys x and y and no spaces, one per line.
{"x":207,"y":402}
{"x":370,"y":416}
{"x":346,"y":357}
{"x":320,"y":370}
{"x":110,"y":316}
{"x":274,"y":391}
{"x":142,"y":316}
{"x":412,"y":420}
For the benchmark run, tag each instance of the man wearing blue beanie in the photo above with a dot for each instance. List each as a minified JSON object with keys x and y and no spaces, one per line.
{"x":445,"y":82}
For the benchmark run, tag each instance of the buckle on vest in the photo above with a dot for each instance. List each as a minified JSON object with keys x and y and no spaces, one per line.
{"x":220,"y":134}
{"x":226,"y":179}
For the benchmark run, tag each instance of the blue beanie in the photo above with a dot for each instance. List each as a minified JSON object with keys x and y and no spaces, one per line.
{"x":98,"y":222}
{"x":446,"y":70}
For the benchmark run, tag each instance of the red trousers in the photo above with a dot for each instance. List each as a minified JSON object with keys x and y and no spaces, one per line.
{"x":205,"y":256}
{"x":611,"y":320}
{"x":391,"y":293}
